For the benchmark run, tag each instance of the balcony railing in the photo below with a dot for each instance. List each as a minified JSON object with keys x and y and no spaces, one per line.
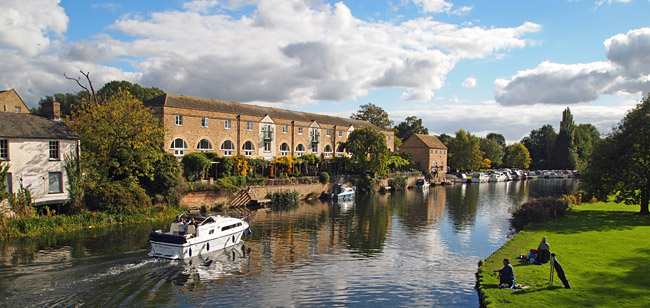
{"x":268,"y":134}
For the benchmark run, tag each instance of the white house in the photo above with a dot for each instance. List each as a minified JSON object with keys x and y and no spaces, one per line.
{"x":35,"y":148}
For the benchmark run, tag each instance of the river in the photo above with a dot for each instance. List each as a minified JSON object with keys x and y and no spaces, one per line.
{"x":397,"y":249}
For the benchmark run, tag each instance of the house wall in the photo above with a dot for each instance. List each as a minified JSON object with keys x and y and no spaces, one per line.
{"x":427,"y":158}
{"x":10,"y":101}
{"x":29,"y":162}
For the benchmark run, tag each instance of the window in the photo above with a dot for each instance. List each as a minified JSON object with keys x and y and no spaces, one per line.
{"x":227,"y":147}
{"x":431,"y":151}
{"x":339,"y":150}
{"x":204,"y":145}
{"x":390,"y":137}
{"x":340,"y":133}
{"x":4,"y":149}
{"x":226,"y":124}
{"x":179,"y":146}
{"x":299,"y":130}
{"x":437,"y":152}
{"x":17,"y":109}
{"x":328,"y":151}
{"x":248,"y":148}
{"x":300,"y":149}
{"x":8,"y":183}
{"x":204,"y":122}
{"x":179,"y":120}
{"x":54,"y":150}
{"x":249,"y":125}
{"x":55,"y":183}
{"x":267,"y":147}
{"x":284,"y":129}
{"x":328,"y":132}
{"x":314,"y":148}
{"x":284,"y":149}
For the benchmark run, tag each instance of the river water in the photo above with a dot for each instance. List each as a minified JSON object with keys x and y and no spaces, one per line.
{"x":397,"y":249}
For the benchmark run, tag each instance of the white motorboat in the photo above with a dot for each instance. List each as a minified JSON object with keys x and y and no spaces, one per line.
{"x":479,"y":177}
{"x":422,"y":184}
{"x":497,"y":177}
{"x":342,"y":192}
{"x":206,"y":234}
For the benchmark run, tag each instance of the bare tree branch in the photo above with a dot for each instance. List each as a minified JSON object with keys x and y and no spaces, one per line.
{"x":90,"y":93}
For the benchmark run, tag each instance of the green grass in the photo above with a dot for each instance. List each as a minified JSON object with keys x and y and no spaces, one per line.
{"x":604,"y":249}
{"x":41,"y":225}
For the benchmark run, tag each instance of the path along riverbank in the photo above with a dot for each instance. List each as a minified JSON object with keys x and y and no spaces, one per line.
{"x":603,"y":248}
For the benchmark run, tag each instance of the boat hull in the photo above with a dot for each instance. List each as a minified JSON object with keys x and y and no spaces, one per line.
{"x":168,"y":249}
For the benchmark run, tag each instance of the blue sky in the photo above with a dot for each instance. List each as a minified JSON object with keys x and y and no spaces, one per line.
{"x":483,"y":66}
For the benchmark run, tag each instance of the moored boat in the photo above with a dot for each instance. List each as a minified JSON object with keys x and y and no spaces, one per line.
{"x":197,"y":236}
{"x":421,"y":183}
{"x":479,"y":177}
{"x":342,"y":192}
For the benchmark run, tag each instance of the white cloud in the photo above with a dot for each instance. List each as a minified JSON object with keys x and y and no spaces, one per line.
{"x":440,"y":6}
{"x":200,"y":5}
{"x":470,"y":82}
{"x":626,"y":72}
{"x":27,"y":25}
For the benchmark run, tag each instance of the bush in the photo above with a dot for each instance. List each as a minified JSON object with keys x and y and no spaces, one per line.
{"x":398,"y":183}
{"x":307,"y":180}
{"x":195,"y":166}
{"x":324,"y":177}
{"x":538,"y":210}
{"x":123,"y":197}
{"x":232,"y":183}
{"x":283,"y":200}
{"x":365,"y":185}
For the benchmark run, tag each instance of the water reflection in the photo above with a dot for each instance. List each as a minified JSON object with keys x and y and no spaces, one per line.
{"x":414,"y":248}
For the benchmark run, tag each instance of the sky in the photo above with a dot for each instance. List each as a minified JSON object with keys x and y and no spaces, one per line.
{"x":506,"y":67}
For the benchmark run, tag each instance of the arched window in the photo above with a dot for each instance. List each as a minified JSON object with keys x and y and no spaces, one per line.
{"x":204,"y":145}
{"x":248,"y":148}
{"x":179,"y":146}
{"x":227,"y":147}
{"x":339,"y":150}
{"x":328,"y":151}
{"x":284,"y":149}
{"x":300,"y":149}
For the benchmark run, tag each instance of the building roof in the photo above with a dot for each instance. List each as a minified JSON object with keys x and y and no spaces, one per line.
{"x":420,"y":140}
{"x":196,"y":103}
{"x":21,"y":125}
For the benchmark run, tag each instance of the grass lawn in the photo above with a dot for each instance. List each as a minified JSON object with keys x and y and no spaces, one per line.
{"x":604,"y":249}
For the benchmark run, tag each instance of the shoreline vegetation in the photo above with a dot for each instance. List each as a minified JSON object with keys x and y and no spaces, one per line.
{"x":43,"y":224}
{"x":603,"y":248}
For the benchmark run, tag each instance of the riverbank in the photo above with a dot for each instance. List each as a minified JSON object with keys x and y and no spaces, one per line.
{"x":603,"y":248}
{"x":41,"y":225}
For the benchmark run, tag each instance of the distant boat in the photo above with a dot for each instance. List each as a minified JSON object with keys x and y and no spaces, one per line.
{"x":421,"y":183}
{"x":342,"y":192}
{"x":479,"y":177}
{"x":497,"y":177}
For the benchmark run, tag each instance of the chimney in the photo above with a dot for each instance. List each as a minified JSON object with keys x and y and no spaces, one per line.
{"x":53,"y":110}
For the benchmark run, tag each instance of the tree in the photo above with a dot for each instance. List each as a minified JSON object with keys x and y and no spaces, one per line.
{"x":119,"y":139}
{"x":373,"y":114}
{"x":141,"y":93}
{"x":411,"y":125}
{"x":486,"y":163}
{"x":369,"y":150}
{"x":498,"y":138}
{"x":517,"y":156}
{"x":564,"y":154}
{"x":195,"y":166}
{"x":68,"y":102}
{"x":540,"y":145}
{"x":620,"y":164}
{"x":465,"y":152}
{"x":444,"y":138}
{"x":492,"y":150}
{"x":585,"y":137}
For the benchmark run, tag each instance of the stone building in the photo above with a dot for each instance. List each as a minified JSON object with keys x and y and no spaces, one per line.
{"x":35,"y":147}
{"x":229,"y":128}
{"x":429,"y":155}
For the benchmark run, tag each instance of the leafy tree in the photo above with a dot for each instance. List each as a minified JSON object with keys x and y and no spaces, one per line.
{"x":620,"y":164}
{"x":166,"y":175}
{"x":585,"y":137}
{"x":373,"y":114}
{"x":76,"y":183}
{"x":564,"y":154}
{"x":498,"y":138}
{"x":141,"y":93}
{"x":411,"y":125}
{"x":369,"y":151}
{"x":540,"y":145}
{"x":465,"y":152}
{"x":68,"y":102}
{"x":396,"y":162}
{"x":4,"y":171}
{"x":492,"y":150}
{"x":241,"y":165}
{"x":444,"y":138}
{"x":517,"y":156}
{"x":119,"y":139}
{"x":285,"y":162}
{"x":486,"y":163}
{"x":195,"y":166}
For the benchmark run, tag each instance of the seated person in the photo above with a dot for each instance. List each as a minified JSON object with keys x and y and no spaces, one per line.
{"x":543,"y":252}
{"x":506,"y":275}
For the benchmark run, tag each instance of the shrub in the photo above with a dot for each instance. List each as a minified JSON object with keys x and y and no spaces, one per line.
{"x":538,"y":210}
{"x":283,"y":200}
{"x":365,"y":185}
{"x":307,"y":180}
{"x":324,"y":177}
{"x":195,"y":166}
{"x":123,"y":197}
{"x":398,"y":183}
